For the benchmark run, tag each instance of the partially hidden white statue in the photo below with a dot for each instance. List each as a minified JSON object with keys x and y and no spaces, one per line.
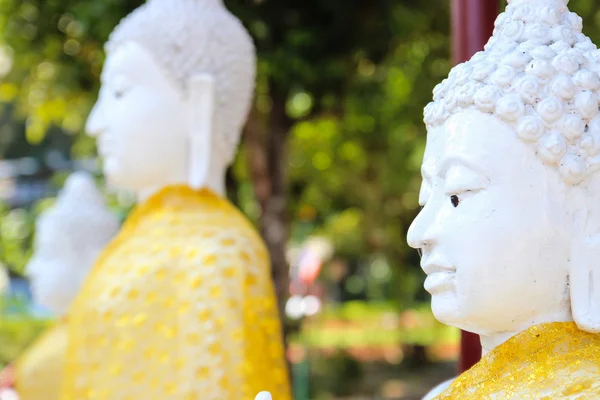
{"x":68,"y":238}
{"x":181,"y":302}
{"x":510,"y":225}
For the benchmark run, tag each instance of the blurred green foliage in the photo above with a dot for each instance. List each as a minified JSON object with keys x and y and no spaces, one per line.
{"x":15,"y":236}
{"x":360,"y":324}
{"x":17,"y":330}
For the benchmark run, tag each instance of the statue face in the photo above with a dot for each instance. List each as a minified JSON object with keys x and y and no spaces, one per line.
{"x":139,"y":121}
{"x":55,"y":273}
{"x":494,"y":228}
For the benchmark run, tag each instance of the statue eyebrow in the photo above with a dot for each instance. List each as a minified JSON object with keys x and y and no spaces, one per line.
{"x":454,"y":161}
{"x":426,"y":171}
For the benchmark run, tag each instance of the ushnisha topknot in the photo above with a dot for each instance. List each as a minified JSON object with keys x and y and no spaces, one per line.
{"x":189,"y":37}
{"x":540,"y":74}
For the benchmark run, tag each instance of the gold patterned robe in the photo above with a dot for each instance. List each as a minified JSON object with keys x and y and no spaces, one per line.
{"x":179,"y":306}
{"x":38,"y":372}
{"x":549,"y":361}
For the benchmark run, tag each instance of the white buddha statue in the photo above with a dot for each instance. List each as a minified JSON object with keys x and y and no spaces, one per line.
{"x":69,"y":236}
{"x":510,"y":225}
{"x":181,"y":304}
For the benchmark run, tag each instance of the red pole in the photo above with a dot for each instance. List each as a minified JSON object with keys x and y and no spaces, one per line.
{"x":472,"y":26}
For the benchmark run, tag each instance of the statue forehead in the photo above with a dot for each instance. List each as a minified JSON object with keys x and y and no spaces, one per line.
{"x":132,"y":61}
{"x":473,"y":137}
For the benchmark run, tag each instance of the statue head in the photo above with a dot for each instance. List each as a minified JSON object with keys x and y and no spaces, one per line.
{"x":69,"y":237}
{"x":510,"y":225}
{"x":177,"y":86}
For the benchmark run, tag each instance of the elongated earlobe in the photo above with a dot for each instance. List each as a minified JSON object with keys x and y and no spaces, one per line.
{"x":584,"y":284}
{"x":201,"y":120}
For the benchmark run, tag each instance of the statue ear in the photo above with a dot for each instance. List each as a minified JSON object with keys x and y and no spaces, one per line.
{"x":201,"y":119}
{"x":584,"y":275}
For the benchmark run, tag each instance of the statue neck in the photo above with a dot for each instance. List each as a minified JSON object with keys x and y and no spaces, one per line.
{"x":215,"y":181}
{"x":490,"y":342}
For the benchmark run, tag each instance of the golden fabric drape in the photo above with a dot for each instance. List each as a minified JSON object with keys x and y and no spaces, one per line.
{"x":179,"y":306}
{"x":38,"y":372}
{"x":549,"y":361}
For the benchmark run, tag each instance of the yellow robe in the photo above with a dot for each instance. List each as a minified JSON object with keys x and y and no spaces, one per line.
{"x":179,"y":306}
{"x":549,"y":361}
{"x":38,"y":372}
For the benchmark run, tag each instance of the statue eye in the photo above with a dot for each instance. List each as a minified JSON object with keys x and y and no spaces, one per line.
{"x":118,"y":94}
{"x":454,"y":200}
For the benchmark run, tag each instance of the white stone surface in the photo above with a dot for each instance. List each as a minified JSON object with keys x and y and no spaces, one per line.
{"x":263,"y":396}
{"x":438,"y":389}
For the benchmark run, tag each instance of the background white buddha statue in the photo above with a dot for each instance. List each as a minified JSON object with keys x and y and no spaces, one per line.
{"x":510,"y":225}
{"x":181,"y":302}
{"x":176,"y":90}
{"x":69,"y":236}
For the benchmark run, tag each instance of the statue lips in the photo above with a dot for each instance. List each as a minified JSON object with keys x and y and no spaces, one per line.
{"x":439,"y":277}
{"x":104,"y":145}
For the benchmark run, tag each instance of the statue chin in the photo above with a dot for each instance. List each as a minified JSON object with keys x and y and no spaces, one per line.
{"x":111,"y":170}
{"x":121,"y":176}
{"x":116,"y":179}
{"x":448,"y":311}
{"x":445,"y":310}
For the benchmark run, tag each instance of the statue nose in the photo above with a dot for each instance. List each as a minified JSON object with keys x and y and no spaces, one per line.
{"x":421,"y":233}
{"x":96,"y":121}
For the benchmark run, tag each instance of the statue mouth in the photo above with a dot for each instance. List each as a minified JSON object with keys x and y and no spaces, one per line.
{"x":439,"y":277}
{"x":104,"y":146}
{"x":438,"y":282}
{"x":434,"y":266}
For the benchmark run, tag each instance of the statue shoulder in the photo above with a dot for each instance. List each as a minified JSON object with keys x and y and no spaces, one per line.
{"x":37,"y":373}
{"x":439,"y":389}
{"x":48,"y":350}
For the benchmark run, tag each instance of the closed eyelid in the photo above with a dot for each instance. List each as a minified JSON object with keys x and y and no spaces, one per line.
{"x":458,"y":171}
{"x":454,"y":163}
{"x":460,"y":180}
